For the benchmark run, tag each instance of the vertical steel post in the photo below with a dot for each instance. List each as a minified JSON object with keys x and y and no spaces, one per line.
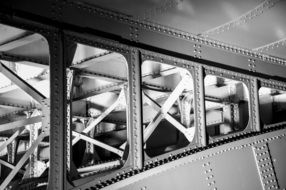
{"x":135,"y":111}
{"x":200,"y":105}
{"x":254,"y":104}
{"x":58,"y":166}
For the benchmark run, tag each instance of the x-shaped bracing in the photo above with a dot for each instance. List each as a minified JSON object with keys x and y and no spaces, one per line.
{"x":94,"y":122}
{"x":162,"y":111}
{"x":43,"y":101}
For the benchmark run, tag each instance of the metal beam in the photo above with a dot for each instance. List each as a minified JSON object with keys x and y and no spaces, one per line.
{"x":20,"y":58}
{"x":11,"y":138}
{"x":58,"y":115}
{"x":16,"y":102}
{"x":7,"y":164}
{"x":34,"y":133}
{"x":24,"y":40}
{"x":162,"y":73}
{"x":152,"y":126}
{"x":22,"y":161}
{"x":20,"y":123}
{"x":103,"y":76}
{"x":188,"y":132}
{"x":246,"y":17}
{"x":146,"y":34}
{"x":95,"y":59}
{"x":100,"y":167}
{"x":98,"y":143}
{"x":270,"y":45}
{"x":99,"y":90}
{"x":22,"y":84}
{"x":101,"y":117}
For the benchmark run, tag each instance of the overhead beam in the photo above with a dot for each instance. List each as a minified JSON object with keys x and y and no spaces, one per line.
{"x":150,"y":35}
{"x":104,"y":76}
{"x":21,"y":83}
{"x":35,"y":64}
{"x":100,"y":90}
{"x":178,"y":43}
{"x":24,"y":40}
{"x":270,"y":45}
{"x":20,"y":123}
{"x":95,"y":59}
{"x":14,"y":102}
{"x":162,"y":73}
{"x":19,"y":58}
{"x":258,"y":10}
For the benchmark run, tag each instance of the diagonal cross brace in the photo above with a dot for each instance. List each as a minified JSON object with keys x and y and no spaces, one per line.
{"x":22,"y":161}
{"x":98,"y":143}
{"x":101,"y":117}
{"x":7,"y":164}
{"x":163,"y":112}
{"x":34,"y":93}
{"x":15,"y":135}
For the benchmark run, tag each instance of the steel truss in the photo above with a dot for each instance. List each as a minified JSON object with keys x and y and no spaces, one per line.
{"x":162,"y":111}
{"x":32,"y":123}
{"x":179,"y":43}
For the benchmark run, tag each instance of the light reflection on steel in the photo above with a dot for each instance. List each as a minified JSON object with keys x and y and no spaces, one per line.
{"x":116,"y":127}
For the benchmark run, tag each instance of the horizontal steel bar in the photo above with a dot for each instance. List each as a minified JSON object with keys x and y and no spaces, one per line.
{"x":24,"y":40}
{"x":15,"y":102}
{"x":20,"y":58}
{"x":150,"y":35}
{"x":94,"y":60}
{"x":100,"y":90}
{"x":99,"y":166}
{"x":20,"y":123}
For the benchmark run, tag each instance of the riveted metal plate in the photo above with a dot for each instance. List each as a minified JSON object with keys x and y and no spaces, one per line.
{"x":277,"y":150}
{"x":264,"y":166}
{"x":235,"y":170}
{"x":189,"y":176}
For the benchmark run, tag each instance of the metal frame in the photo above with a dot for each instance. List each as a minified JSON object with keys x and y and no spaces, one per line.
{"x":196,"y":72}
{"x":245,"y":79}
{"x":135,"y":156}
{"x":274,"y":85}
{"x":57,"y":174}
{"x":43,"y":104}
{"x":139,"y":34}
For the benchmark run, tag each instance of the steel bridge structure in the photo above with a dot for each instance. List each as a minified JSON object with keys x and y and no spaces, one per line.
{"x":142,"y":95}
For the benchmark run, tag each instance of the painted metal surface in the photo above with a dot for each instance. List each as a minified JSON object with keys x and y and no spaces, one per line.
{"x":223,"y":167}
{"x":157,"y":36}
{"x":206,"y":164}
{"x":277,"y":152}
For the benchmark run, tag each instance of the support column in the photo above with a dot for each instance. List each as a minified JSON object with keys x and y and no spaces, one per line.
{"x":135,"y":111}
{"x":58,"y":136}
{"x":200,"y":105}
{"x":254,"y":104}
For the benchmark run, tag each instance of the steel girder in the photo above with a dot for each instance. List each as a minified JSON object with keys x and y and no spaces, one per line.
{"x":141,"y":33}
{"x":58,"y":176}
{"x":35,"y":138}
